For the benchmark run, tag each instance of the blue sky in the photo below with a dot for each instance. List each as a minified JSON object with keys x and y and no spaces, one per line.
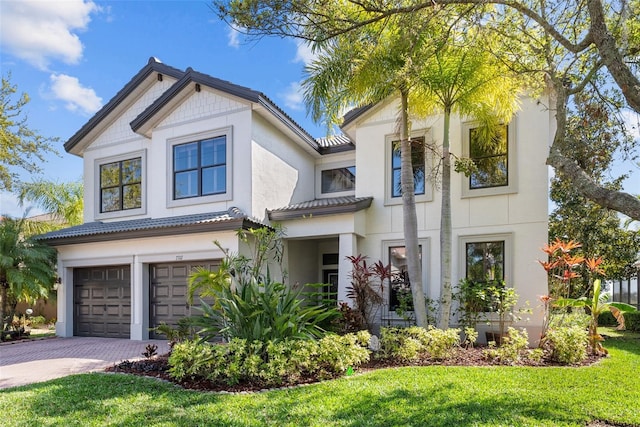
{"x":72,"y":56}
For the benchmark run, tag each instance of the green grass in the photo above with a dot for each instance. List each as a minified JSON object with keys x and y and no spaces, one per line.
{"x":425,"y":396}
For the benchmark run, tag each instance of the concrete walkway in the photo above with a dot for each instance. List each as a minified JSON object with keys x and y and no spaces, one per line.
{"x":27,"y":362}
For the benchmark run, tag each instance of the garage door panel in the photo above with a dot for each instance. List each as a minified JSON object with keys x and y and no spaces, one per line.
{"x":102,"y":300}
{"x":179,"y":291}
{"x":169,"y":290}
{"x":97,"y":293}
{"x":97,"y":274}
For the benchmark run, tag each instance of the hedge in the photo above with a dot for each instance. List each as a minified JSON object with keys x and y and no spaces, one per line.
{"x":632,"y":321}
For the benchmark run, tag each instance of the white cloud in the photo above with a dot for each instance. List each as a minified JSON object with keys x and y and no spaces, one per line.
{"x":632,"y":122}
{"x":41,"y":31}
{"x":77,"y":97}
{"x":303,"y":53}
{"x":293,"y":97}
{"x":234,"y":36}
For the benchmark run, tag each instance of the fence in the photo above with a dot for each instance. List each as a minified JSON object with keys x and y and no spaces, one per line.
{"x":628,"y":288}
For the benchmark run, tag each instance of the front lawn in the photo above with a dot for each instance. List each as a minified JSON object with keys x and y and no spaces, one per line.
{"x":419,"y":396}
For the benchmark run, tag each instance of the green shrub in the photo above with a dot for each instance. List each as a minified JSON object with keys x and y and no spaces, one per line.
{"x":270,"y":363}
{"x":470,"y":336}
{"x":440,"y":343}
{"x":35,"y":321}
{"x":191,"y":359}
{"x":632,"y":321}
{"x":577,"y":317}
{"x":512,"y":348}
{"x":568,"y":344}
{"x":536,"y":355}
{"x":336,"y":353}
{"x":403,"y":343}
{"x":412,"y":343}
{"x":606,"y":319}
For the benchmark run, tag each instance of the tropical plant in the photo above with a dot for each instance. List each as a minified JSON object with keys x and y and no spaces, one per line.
{"x":502,"y":300}
{"x":463,"y":76}
{"x":27,"y":269}
{"x":255,"y":311}
{"x":367,"y":286}
{"x":62,"y":201}
{"x":365,"y":68}
{"x":248,"y":304}
{"x":596,"y":305}
{"x":472,"y":302}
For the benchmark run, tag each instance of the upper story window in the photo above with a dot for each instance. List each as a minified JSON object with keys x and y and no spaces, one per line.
{"x":338,"y":180}
{"x":121,"y":185}
{"x":491,"y":157}
{"x":494,"y":157}
{"x":418,"y":162}
{"x":200,"y":168}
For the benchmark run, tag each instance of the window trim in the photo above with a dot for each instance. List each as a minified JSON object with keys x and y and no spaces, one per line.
{"x":507,"y":238}
{"x":512,"y":166}
{"x":197,"y":137}
{"x":428,"y":160}
{"x":425,"y":243}
{"x":142,"y":210}
{"x":329,"y":166}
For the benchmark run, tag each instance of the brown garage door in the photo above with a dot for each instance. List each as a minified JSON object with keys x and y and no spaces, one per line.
{"x":102,"y":301}
{"x":168,"y":292}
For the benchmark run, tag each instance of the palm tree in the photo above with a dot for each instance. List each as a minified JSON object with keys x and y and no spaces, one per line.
{"x":463,"y":77}
{"x":27,"y":269}
{"x":62,"y":201}
{"x":367,"y":67}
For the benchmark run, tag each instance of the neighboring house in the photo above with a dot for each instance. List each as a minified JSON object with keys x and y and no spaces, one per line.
{"x":178,"y":159}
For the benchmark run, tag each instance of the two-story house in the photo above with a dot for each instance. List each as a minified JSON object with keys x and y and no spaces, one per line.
{"x":177,"y":159}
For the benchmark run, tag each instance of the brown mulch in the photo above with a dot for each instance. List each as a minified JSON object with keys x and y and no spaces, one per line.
{"x":158,"y":366}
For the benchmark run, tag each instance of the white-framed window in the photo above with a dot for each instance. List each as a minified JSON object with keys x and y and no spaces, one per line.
{"x":494,"y":157}
{"x":336,"y":179}
{"x":420,"y":160}
{"x":199,"y":168}
{"x":120,"y":183}
{"x":394,"y":255}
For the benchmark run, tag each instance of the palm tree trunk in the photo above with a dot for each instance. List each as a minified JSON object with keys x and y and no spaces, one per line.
{"x":410,"y":221}
{"x":445,"y":229}
{"x":3,"y":304}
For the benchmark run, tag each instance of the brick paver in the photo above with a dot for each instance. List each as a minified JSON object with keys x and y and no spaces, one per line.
{"x":35,"y":361}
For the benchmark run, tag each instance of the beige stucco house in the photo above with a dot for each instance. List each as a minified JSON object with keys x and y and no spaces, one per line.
{"x":177,"y":159}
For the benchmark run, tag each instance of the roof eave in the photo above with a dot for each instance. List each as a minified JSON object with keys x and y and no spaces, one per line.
{"x":231,"y":224}
{"x":153,"y":66}
{"x":320,"y":210}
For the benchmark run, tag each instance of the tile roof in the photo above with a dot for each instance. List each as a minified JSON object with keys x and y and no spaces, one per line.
{"x":233,"y":218}
{"x":319,"y":207}
{"x":353,"y":114}
{"x":256,"y":97}
{"x":335,"y":144}
{"x":152,"y":66}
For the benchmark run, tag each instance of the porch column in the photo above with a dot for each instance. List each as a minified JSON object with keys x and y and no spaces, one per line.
{"x":64,"y":323}
{"x":139,"y":301}
{"x":348,"y":246}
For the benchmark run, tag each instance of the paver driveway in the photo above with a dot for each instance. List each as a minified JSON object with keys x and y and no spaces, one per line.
{"x":28,"y":362}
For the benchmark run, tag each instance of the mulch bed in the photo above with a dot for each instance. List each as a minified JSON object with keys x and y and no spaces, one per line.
{"x":158,"y":366}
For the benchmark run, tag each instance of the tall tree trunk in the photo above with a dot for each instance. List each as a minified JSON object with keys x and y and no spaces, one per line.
{"x":607,"y":47}
{"x":445,"y":229}
{"x":410,"y":220}
{"x":560,"y":159}
{"x":3,"y":305}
